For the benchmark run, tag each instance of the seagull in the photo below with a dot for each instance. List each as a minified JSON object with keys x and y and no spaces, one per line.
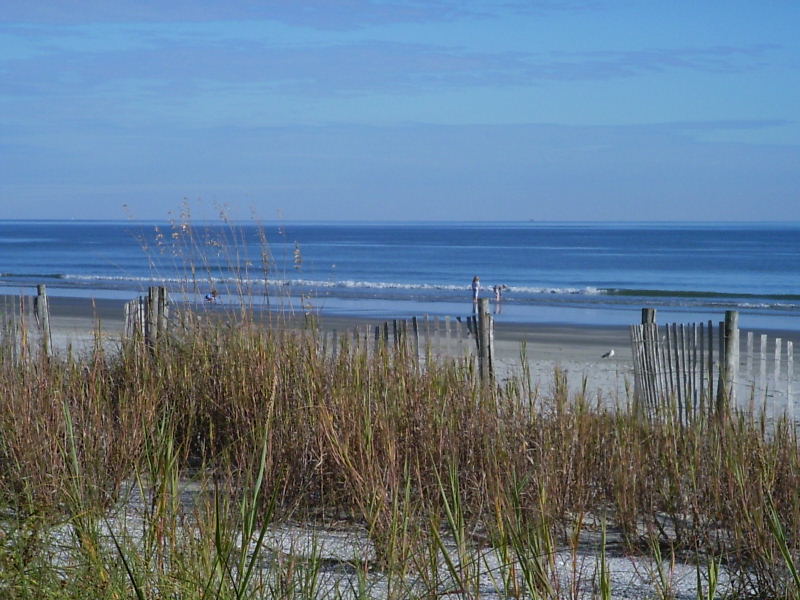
{"x":608,"y":354}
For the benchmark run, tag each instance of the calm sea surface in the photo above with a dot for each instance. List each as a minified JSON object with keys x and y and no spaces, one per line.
{"x":555,"y":272}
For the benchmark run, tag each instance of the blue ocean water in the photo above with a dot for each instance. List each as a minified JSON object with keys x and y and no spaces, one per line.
{"x":582,"y":273}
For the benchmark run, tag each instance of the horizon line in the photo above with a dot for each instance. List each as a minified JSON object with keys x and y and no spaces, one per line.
{"x":400,"y":222}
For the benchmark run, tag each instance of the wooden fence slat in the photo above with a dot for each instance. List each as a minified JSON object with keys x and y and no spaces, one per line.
{"x":127,"y":319}
{"x":637,"y":368}
{"x":42,"y":312}
{"x":663,"y":365}
{"x":789,"y":376}
{"x":720,"y":367}
{"x":484,"y":323}
{"x":677,"y":367}
{"x":701,"y":390}
{"x":731,"y":355}
{"x":161,"y":308}
{"x":694,"y":369}
{"x":763,"y":364}
{"x":415,"y":330}
{"x":648,"y":355}
{"x":684,"y":368}
{"x":711,"y":346}
{"x":643,"y":384}
{"x":690,"y":408}
{"x":648,"y":366}
{"x":656,"y":366}
{"x":647,"y":362}
{"x":670,"y":356}
{"x":668,"y":361}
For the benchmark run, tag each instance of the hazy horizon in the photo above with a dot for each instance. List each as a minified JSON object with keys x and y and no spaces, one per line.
{"x":274,"y":221}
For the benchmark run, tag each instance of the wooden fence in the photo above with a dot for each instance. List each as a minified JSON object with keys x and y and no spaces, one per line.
{"x":694,"y":369}
{"x":767,"y":375}
{"x":26,"y":324}
{"x":446,"y":335}
{"x":148,"y":316}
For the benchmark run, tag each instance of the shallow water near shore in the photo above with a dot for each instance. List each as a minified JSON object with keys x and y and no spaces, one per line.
{"x":568,"y":273}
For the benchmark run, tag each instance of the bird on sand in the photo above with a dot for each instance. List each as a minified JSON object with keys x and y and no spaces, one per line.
{"x":608,"y":354}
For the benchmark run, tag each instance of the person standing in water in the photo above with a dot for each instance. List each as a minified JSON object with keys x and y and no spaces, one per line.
{"x":476,"y":288}
{"x":498,"y":291}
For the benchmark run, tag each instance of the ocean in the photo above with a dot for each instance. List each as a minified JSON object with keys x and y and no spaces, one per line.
{"x":560,"y":273}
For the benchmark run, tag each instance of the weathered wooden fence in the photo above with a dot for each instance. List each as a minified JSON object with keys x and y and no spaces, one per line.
{"x":148,"y":316}
{"x":694,"y":369}
{"x":448,"y":335}
{"x":767,"y":375}
{"x":26,"y":323}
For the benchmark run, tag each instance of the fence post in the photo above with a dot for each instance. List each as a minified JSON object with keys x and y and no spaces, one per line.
{"x":42,"y":311}
{"x":11,"y":328}
{"x":484,"y":340}
{"x":777,"y":364}
{"x":727,"y":391}
{"x":151,"y":316}
{"x":127,"y":310}
{"x":162,"y":311}
{"x":415,"y":328}
{"x":649,"y":358}
{"x":789,"y":376}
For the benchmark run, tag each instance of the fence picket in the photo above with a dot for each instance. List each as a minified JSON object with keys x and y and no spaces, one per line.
{"x":702,"y":388}
{"x":675,"y":368}
{"x":789,"y":376}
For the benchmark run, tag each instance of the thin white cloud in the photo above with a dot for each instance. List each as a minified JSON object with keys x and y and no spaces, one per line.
{"x":363,"y":67}
{"x":318,"y":14}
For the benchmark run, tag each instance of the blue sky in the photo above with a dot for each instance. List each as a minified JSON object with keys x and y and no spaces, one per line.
{"x":395,"y":110}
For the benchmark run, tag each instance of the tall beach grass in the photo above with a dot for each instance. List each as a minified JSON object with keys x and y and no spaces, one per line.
{"x":433,"y":467}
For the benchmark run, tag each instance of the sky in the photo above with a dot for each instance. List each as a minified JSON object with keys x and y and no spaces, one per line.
{"x":487,"y":110}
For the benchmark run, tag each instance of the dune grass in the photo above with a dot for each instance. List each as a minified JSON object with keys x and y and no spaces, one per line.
{"x":455,"y":485}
